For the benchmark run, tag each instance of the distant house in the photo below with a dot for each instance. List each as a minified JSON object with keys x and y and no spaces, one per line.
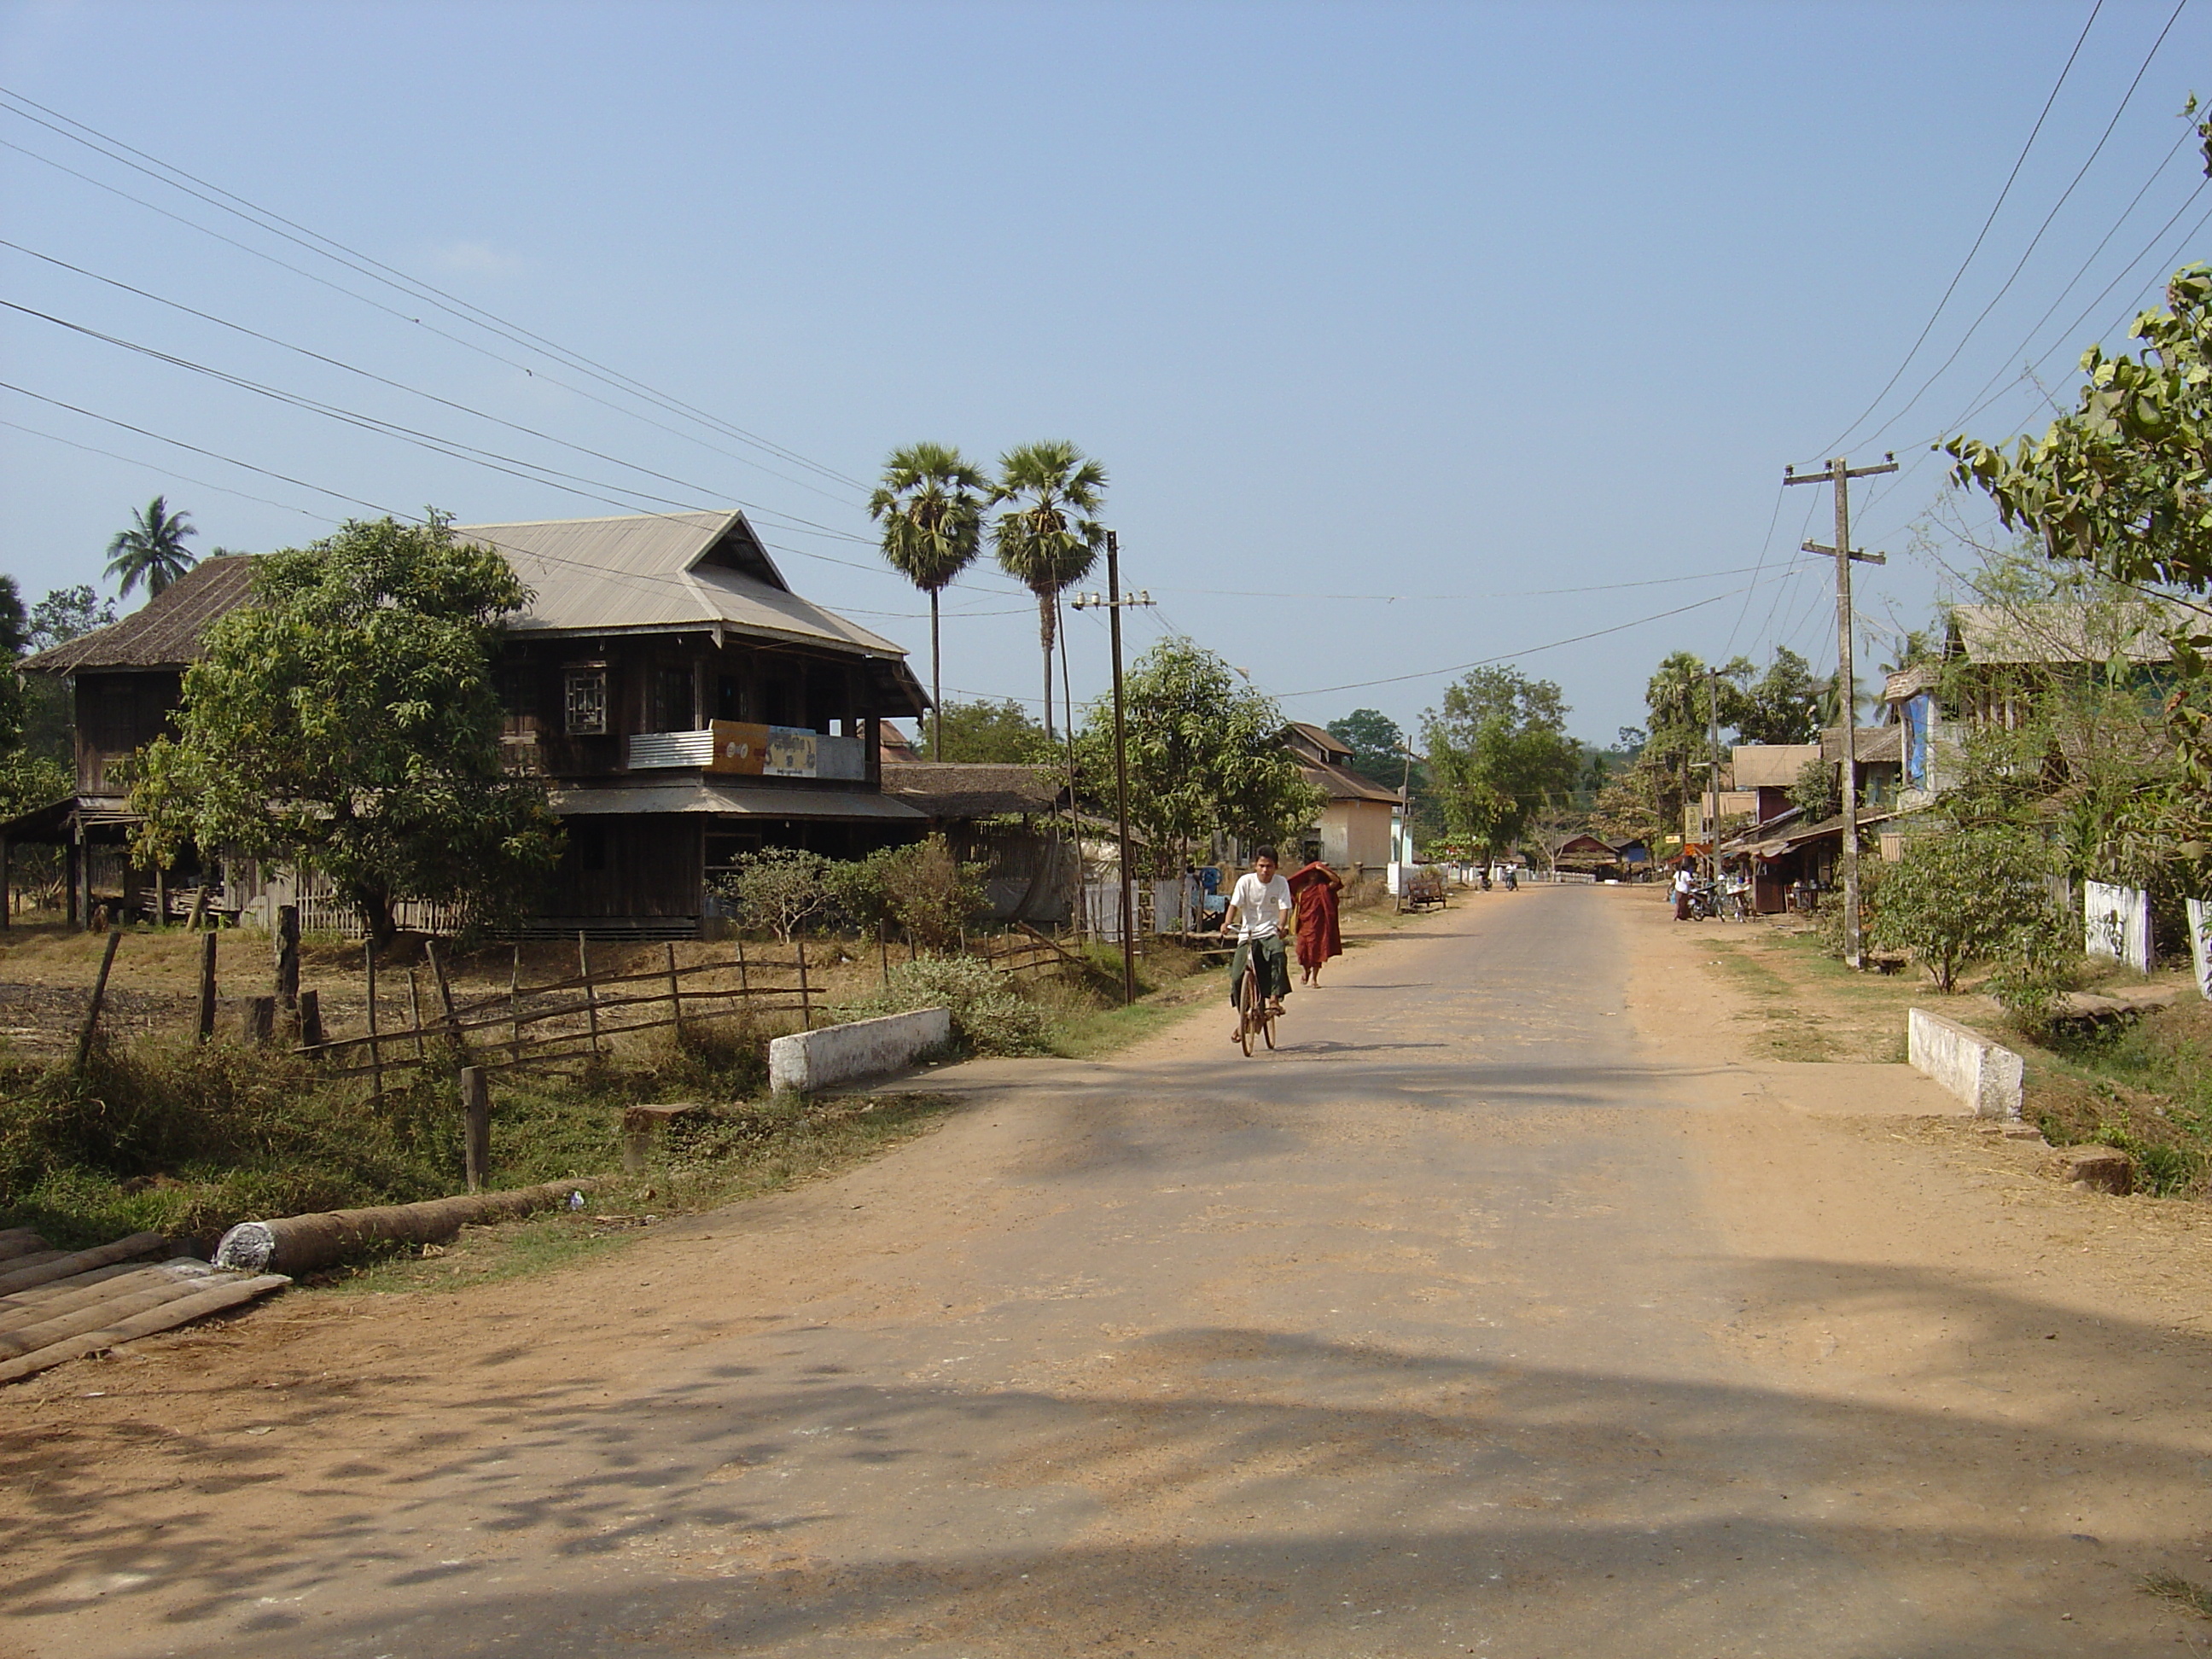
{"x":1998,"y":661}
{"x":1005,"y":815}
{"x":683,"y":704}
{"x":1590,"y":856}
{"x":1354,"y":831}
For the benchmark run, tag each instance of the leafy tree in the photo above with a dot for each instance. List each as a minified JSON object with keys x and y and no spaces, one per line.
{"x":1498,"y":749}
{"x":1963,"y":895}
{"x":152,"y":551}
{"x":1206,"y":755}
{"x":780,"y":889}
{"x":68,"y":613}
{"x":1784,"y":704}
{"x":983,"y":731}
{"x":921,"y":887}
{"x":931,"y":505}
{"x":1678,"y":747}
{"x":1039,"y":543}
{"x":1376,"y":741}
{"x":347,"y":722}
{"x":1819,"y":791}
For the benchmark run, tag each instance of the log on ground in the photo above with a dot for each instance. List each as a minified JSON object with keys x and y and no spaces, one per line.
{"x":16,"y":1277}
{"x":303,"y":1243}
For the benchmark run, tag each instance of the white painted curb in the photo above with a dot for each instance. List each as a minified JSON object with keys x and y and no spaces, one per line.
{"x":1986,"y":1075}
{"x":808,"y":1061}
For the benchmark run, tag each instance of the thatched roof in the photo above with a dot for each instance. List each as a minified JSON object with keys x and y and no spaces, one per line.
{"x":163,"y":633}
{"x":955,"y":789}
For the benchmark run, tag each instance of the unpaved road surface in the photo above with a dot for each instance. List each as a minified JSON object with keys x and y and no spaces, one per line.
{"x":1499,"y":1313}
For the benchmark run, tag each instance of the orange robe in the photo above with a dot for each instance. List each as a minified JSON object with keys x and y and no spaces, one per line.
{"x":1315,"y":894}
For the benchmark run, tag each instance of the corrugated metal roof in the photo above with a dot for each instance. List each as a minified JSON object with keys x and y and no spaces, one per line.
{"x":662,"y":570}
{"x":699,"y":795}
{"x":164,"y":632}
{"x":2059,"y":632}
{"x":1339,"y":784}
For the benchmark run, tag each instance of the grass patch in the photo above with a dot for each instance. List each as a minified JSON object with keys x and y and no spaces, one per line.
{"x":1811,"y":1006}
{"x":2145,"y":1087}
{"x":723,"y":1155}
{"x":2169,"y":1586}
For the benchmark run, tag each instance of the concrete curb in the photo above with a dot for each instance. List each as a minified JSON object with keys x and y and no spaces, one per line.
{"x":808,"y":1061}
{"x":1986,"y":1075}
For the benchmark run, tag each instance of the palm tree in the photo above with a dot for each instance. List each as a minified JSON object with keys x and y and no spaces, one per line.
{"x":1038,"y":545}
{"x":931,"y":509}
{"x":152,"y":551}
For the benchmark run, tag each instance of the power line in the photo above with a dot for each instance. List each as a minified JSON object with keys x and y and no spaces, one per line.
{"x":401,"y":316}
{"x":397,"y":386}
{"x":313,"y":241}
{"x":1980,"y":236}
{"x":2035,"y":240}
{"x":167,"y":472}
{"x":1520,"y":593}
{"x":1530,"y":651}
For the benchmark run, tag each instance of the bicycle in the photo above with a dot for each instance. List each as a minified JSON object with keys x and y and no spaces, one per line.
{"x":1253,"y":1013}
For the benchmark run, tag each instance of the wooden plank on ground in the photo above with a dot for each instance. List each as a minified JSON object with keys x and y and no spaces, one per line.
{"x":43,"y":1301}
{"x":68,"y":1267}
{"x":167,"y":1317}
{"x":110,"y":1303}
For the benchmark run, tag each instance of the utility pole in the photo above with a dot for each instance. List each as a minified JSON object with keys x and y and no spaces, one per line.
{"x":1115,"y":604}
{"x":1713,"y":773}
{"x":1839,"y":473}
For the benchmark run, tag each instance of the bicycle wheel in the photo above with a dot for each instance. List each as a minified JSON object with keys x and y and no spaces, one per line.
{"x":1248,"y":998}
{"x":1267,"y":1025}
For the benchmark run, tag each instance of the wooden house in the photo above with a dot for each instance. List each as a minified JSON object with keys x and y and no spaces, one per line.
{"x":683,"y":704}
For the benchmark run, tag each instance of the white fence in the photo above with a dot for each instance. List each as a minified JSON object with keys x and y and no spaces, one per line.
{"x":2116,"y":923}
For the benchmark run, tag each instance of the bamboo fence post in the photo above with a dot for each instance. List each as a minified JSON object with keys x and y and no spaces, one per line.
{"x":444,"y":989}
{"x":311,"y":1018}
{"x":375,"y":1049}
{"x":675,"y":993}
{"x":883,"y":951}
{"x":414,"y":1014}
{"x":805,"y":997}
{"x":744,"y":981}
{"x":476,"y":1110}
{"x":515,"y":1003}
{"x":197,"y":918}
{"x":207,"y":983}
{"x":160,"y":897}
{"x":99,"y":1000}
{"x":591,"y":991}
{"x":912,"y":946}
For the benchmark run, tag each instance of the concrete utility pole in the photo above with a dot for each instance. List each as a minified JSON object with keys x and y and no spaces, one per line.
{"x":1115,"y":604}
{"x":1839,"y":473}
{"x":1713,"y":773}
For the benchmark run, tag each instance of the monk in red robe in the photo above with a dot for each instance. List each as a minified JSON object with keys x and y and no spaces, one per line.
{"x":1314,"y":890}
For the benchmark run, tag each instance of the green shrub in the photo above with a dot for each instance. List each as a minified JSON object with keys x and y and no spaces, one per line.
{"x":1966,"y":895}
{"x":990,"y":1015}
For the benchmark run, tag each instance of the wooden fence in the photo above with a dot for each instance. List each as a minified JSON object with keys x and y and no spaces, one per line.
{"x":564,"y":1021}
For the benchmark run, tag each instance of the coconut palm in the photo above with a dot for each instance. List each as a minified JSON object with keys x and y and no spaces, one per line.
{"x":152,"y":551}
{"x":931,"y":505}
{"x":1039,"y":545}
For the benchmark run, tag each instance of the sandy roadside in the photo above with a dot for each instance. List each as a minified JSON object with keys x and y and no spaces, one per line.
{"x":1915,"y":1260}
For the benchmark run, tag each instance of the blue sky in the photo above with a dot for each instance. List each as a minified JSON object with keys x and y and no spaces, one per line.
{"x":1411,"y":335}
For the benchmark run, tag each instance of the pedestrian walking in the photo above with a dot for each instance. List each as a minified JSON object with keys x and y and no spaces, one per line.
{"x":1684,"y":884}
{"x":1314,"y":887}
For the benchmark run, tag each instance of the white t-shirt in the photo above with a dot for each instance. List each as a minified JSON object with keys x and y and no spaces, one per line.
{"x":1258,"y":905}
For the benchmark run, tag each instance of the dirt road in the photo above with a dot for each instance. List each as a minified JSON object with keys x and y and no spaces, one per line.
{"x":1502,"y":1312}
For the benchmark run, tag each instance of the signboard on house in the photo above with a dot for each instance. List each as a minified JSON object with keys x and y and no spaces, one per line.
{"x":776,"y":751}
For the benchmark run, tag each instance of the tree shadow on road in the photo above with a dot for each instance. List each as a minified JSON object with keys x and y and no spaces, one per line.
{"x":1201,"y":1491}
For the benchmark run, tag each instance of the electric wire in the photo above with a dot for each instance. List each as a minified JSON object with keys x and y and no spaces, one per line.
{"x":2035,"y":240}
{"x":393,"y":312}
{"x":1980,"y":236}
{"x":314,"y":242}
{"x":809,"y":526}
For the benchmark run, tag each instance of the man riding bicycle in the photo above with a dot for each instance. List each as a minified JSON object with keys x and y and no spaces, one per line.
{"x":1260,"y":910}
